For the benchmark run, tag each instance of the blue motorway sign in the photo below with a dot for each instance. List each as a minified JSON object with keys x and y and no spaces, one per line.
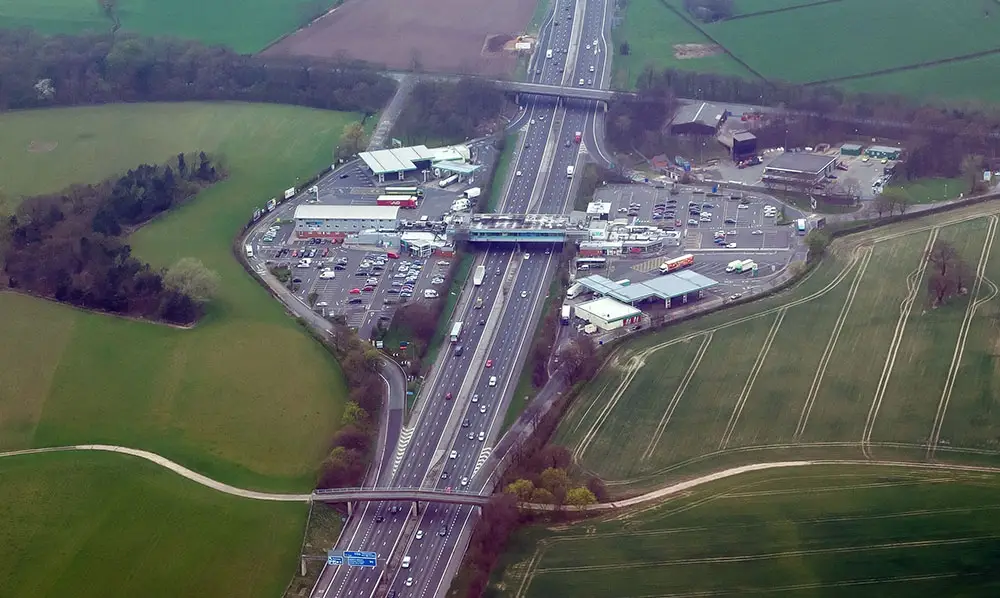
{"x":355,"y":561}
{"x":334,"y":561}
{"x":360,"y":555}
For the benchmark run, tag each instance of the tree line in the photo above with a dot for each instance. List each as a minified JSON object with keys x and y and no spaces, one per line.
{"x":352,"y":445}
{"x":454,"y":111}
{"x":64,"y":70}
{"x":937,"y":138}
{"x":70,"y":246}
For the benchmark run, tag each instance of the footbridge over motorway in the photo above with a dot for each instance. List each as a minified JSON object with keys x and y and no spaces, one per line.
{"x":415,"y":495}
{"x":562,"y":92}
{"x":515,"y":228}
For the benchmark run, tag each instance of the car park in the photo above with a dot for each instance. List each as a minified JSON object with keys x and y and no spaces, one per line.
{"x":757,"y":232}
{"x":693,"y":222}
{"x":730,"y":221}
{"x":743,"y":206}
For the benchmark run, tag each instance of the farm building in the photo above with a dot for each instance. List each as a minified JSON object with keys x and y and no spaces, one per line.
{"x":396,"y":163}
{"x":673,"y":289}
{"x":336,"y":222}
{"x":798,"y":169}
{"x":741,"y":144}
{"x":608,"y":314}
{"x":697,"y":119}
{"x":881,"y":151}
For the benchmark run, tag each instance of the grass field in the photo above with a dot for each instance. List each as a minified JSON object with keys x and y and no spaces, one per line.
{"x":815,"y":46}
{"x":817,"y":531}
{"x":852,"y":362}
{"x":246,"y":396}
{"x":651,"y":31}
{"x":246,"y":26}
{"x":98,"y":525}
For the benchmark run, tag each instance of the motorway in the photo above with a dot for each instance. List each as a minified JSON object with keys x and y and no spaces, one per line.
{"x":500,"y":331}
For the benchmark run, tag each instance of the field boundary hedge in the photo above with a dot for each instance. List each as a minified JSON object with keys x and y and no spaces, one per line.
{"x":908,"y":67}
{"x":761,"y":13}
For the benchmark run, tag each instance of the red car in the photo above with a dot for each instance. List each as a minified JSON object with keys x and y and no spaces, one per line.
{"x":295,"y":253}
{"x":489,"y":363}
{"x":368,"y":289}
{"x":447,"y":396}
{"x":355,"y":291}
{"x":326,"y":251}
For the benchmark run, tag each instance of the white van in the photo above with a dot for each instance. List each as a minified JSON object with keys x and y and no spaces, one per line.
{"x":430,"y":294}
{"x":548,"y":53}
{"x":406,"y":562}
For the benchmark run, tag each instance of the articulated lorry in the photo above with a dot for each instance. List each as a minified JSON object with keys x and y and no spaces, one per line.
{"x":445,"y":182}
{"x":477,"y":278}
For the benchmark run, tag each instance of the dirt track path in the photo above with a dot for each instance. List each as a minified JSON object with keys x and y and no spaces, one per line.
{"x":168,"y":464}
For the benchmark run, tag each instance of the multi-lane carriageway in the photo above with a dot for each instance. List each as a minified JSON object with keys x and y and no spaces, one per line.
{"x":542,"y":187}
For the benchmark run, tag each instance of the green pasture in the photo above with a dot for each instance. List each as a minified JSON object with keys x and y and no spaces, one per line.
{"x":817,"y":531}
{"x":651,"y":31}
{"x":749,"y":7}
{"x":246,"y":396}
{"x":245,"y":26}
{"x":798,"y":374}
{"x":92,"y":525}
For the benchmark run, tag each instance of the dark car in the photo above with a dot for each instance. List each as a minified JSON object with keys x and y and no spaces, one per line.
{"x":354,"y":300}
{"x":379,"y":519}
{"x":443,"y":532}
{"x":444,"y":475}
{"x":730,"y":221}
{"x":466,"y":423}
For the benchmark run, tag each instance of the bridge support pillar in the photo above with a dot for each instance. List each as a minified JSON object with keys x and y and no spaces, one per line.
{"x":517,"y":99}
{"x":350,"y":509}
{"x":416,"y":507}
{"x":605,"y":105}
{"x":302,"y":567}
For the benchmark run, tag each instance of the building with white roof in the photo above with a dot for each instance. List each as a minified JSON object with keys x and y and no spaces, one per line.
{"x":336,"y":222}
{"x":608,"y":314}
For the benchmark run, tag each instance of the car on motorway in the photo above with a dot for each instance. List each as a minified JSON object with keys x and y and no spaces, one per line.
{"x":406,"y":562}
{"x":518,"y":173}
{"x":524,"y":294}
{"x":482,"y":408}
{"x":581,"y":82}
{"x":464,"y":482}
{"x":471,"y":435}
{"x":444,"y":475}
{"x":409,"y":582}
{"x":482,"y":322}
{"x":466,"y":423}
{"x":489,"y":363}
{"x":482,"y":436}
{"x":443,"y":532}
{"x":453,"y":455}
{"x":475,"y":398}
{"x":447,"y":396}
{"x":379,"y":519}
{"x":592,"y":68}
{"x":493,"y":381}
{"x":420,"y":534}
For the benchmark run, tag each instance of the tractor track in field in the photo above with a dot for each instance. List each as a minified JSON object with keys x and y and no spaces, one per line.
{"x":831,"y":344}
{"x":905,"y":307}
{"x":963,"y":334}
{"x":741,"y":401}
{"x":681,"y":388}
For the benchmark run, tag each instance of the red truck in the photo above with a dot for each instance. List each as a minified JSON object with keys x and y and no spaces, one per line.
{"x":397,"y":200}
{"x":577,"y":137}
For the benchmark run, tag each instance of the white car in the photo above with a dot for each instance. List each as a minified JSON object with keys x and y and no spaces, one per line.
{"x":482,"y":436}
{"x":409,"y":582}
{"x":453,"y":455}
{"x":731,"y":246}
{"x":527,"y":255}
{"x":518,"y":173}
{"x":327,"y":275}
{"x":757,"y":232}
{"x":742,"y":206}
{"x":692,"y":222}
{"x":493,"y":380}
{"x":482,"y":408}
{"x":475,"y":398}
{"x":532,"y":121}
{"x":588,"y":46}
{"x":420,"y":534}
{"x":464,"y":482}
{"x":524,"y":294}
{"x":581,"y":82}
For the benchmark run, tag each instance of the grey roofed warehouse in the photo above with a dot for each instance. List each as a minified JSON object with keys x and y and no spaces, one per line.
{"x":803,"y":163}
{"x":700,"y":118}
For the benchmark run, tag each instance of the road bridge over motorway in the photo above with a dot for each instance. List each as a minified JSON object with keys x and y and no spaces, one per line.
{"x":415,"y":495}
{"x":562,"y":92}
